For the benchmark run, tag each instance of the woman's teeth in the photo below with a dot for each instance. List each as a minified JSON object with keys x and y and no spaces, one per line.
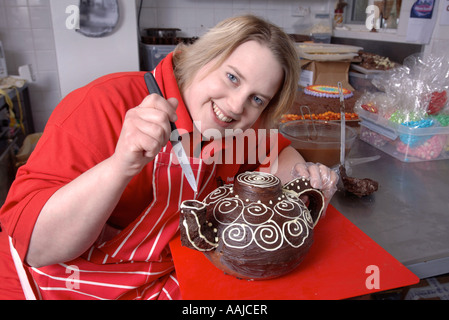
{"x":220,"y":115}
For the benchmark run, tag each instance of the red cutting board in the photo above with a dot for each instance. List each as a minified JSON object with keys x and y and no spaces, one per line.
{"x":336,"y":267}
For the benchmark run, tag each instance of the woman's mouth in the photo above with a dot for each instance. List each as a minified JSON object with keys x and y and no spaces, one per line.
{"x":220,"y":116}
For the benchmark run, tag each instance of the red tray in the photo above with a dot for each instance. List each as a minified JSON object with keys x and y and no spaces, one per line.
{"x":338,"y":266}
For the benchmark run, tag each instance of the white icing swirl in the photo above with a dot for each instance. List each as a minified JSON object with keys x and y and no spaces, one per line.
{"x":288,"y":209}
{"x":238,"y":236}
{"x":228,"y":210}
{"x":257,"y":213}
{"x":219,"y":194}
{"x":269,"y":236}
{"x":295,"y":232}
{"x":259,"y":179}
{"x":288,"y":222}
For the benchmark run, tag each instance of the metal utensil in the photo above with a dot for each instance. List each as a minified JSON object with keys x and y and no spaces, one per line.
{"x":315,"y":132}
{"x":342,"y":125}
{"x":174,"y":137}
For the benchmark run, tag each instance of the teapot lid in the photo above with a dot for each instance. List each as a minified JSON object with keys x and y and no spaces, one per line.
{"x":253,"y":186}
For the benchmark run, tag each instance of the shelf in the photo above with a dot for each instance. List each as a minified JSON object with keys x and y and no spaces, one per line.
{"x":26,"y":105}
{"x":382,"y":35}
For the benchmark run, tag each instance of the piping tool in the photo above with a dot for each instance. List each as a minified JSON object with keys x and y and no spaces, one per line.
{"x":174,"y":137}
{"x":342,"y":125}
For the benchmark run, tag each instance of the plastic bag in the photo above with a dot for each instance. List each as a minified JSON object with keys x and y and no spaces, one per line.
{"x":415,"y":90}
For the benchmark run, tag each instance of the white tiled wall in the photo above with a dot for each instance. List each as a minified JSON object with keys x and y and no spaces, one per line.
{"x":27,"y":35}
{"x":440,"y":37}
{"x":194,"y":17}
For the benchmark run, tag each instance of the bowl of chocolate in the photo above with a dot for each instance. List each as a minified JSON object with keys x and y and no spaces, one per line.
{"x":255,"y":228}
{"x":318,"y":141}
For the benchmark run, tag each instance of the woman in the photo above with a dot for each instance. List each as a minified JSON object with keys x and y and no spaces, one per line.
{"x":92,"y":212}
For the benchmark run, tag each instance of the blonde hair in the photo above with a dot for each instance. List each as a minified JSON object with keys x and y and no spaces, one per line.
{"x":224,"y":38}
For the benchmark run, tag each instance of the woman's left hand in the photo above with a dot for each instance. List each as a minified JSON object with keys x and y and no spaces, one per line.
{"x":321,"y":177}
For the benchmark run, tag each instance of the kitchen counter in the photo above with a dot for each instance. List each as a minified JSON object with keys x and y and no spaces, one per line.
{"x":409,"y":215}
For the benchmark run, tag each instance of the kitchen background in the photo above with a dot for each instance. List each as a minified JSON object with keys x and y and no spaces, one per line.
{"x":34,"y":32}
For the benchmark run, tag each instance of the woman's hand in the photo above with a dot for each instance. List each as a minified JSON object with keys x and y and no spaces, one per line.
{"x":321,"y":177}
{"x":81,"y":207}
{"x":146,"y":130}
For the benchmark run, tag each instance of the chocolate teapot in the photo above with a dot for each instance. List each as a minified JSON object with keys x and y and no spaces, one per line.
{"x":255,"y":228}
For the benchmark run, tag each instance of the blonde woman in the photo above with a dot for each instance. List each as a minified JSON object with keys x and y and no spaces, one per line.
{"x":91,"y":214}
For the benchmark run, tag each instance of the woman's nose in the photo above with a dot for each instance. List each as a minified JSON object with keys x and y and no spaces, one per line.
{"x":237,"y":102}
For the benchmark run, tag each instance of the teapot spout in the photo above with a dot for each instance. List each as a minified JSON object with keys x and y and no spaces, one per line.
{"x":196,"y":232}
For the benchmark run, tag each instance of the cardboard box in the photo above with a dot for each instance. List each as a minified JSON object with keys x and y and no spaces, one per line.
{"x":3,"y":70}
{"x":327,"y":73}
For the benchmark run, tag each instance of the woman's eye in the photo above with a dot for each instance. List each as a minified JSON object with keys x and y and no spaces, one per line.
{"x":232,"y":78}
{"x":258,"y":101}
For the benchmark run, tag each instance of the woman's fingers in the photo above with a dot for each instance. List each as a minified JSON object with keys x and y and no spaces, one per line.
{"x":146,"y":130}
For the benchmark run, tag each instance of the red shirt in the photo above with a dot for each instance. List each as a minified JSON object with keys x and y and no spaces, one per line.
{"x":82,"y":132}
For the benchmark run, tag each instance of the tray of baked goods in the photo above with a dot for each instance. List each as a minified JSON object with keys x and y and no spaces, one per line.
{"x":371,"y":63}
{"x":327,"y":51}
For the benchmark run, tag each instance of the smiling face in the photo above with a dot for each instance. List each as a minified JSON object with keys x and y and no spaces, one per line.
{"x":234,"y":94}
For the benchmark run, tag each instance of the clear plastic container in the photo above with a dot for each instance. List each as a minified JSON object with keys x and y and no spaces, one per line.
{"x":408,"y":144}
{"x":321,"y":30}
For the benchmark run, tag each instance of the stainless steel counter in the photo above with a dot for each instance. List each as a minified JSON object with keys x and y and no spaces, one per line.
{"x":409,"y":215}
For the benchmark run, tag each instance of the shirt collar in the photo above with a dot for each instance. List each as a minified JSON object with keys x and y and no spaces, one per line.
{"x":166,"y":80}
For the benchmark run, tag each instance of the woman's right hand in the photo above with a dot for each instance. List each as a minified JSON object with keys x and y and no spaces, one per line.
{"x":73,"y":218}
{"x":146,"y":130}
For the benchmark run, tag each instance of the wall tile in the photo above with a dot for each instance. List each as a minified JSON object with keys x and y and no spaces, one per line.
{"x":43,"y":39}
{"x":46,"y":61}
{"x":16,"y":3}
{"x":18,"y":40}
{"x":40,"y":17}
{"x":3,"y":22}
{"x":17,"y":17}
{"x":39,"y":3}
{"x":27,"y":35}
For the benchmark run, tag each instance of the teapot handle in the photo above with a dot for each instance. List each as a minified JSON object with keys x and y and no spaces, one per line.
{"x":316,"y":203}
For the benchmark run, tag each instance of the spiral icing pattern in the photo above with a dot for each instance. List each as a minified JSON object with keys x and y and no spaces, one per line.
{"x":257,"y":213}
{"x":296,"y":232}
{"x":268,"y":236}
{"x":218,"y":194}
{"x":228,"y":210}
{"x":288,"y":209}
{"x":238,"y":236}
{"x":266,"y":224}
{"x":258,"y":179}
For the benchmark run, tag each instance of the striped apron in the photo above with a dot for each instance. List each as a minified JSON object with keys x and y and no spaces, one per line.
{"x":136,"y":263}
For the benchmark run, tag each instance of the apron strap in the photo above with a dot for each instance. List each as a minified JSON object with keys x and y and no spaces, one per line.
{"x":21,"y":272}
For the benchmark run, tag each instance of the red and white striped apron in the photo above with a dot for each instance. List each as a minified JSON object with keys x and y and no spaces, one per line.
{"x":136,"y":263}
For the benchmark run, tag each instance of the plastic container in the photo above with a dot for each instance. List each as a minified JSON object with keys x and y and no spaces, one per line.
{"x":321,"y":31}
{"x":321,"y":37}
{"x":407,"y":144}
{"x":152,"y":54}
{"x":318,"y":141}
{"x":362,"y":82}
